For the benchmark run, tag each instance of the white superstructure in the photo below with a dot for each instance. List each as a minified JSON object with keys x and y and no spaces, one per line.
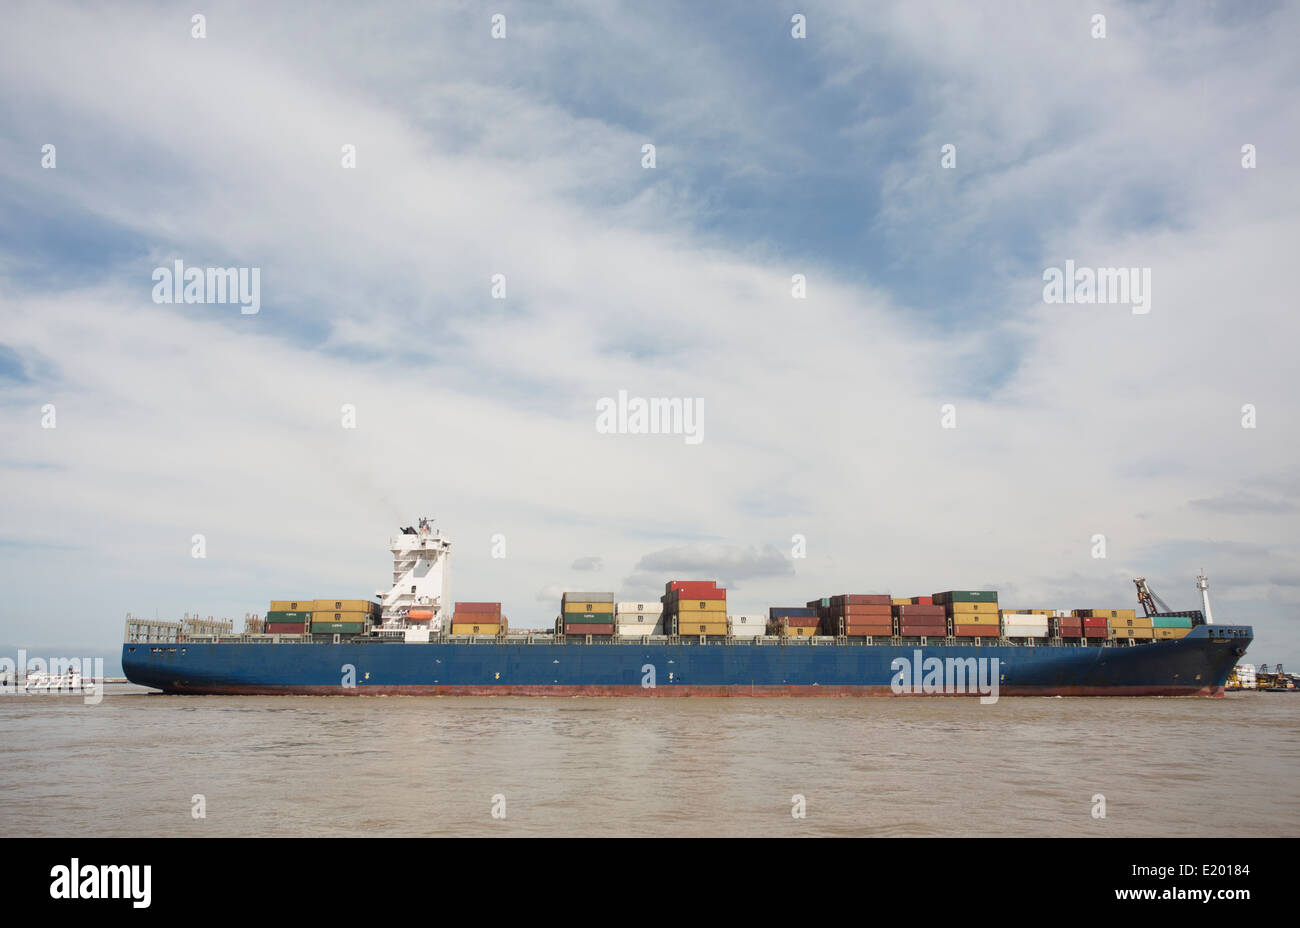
{"x":419,"y":601}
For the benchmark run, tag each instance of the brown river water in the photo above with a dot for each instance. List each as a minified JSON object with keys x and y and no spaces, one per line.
{"x":375,"y":766}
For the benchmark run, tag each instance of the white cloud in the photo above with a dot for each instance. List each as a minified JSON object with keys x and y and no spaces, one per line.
{"x":175,"y":420}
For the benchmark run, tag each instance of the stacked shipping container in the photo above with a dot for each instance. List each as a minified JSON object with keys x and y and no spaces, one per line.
{"x":793,"y":621}
{"x":289,"y":616}
{"x":477,"y":619}
{"x":1026,"y":623}
{"x":587,"y":613}
{"x":695,"y":607}
{"x":746,"y":626}
{"x":635,"y":619}
{"x":859,"y":615}
{"x":1164,"y":627}
{"x":1065,"y":624}
{"x":342,"y":616}
{"x":971,"y":613}
{"x":1094,"y":626}
{"x":1122,"y":623}
{"x":919,"y":617}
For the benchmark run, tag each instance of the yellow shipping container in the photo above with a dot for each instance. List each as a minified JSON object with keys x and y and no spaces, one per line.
{"x":467,"y":629}
{"x":594,"y":608}
{"x":702,"y":605}
{"x":1114,"y":613}
{"x":689,"y":627}
{"x":1042,"y":612}
{"x":1170,"y":632}
{"x":340,"y":616}
{"x":1130,"y":622}
{"x":1132,"y":632}
{"x":901,"y":602}
{"x":797,"y":631}
{"x":292,"y":605}
{"x":344,"y":605}
{"x":975,"y":618}
{"x":969,"y":608}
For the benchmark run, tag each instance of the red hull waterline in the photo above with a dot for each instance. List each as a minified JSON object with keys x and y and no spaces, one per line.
{"x":676,"y":690}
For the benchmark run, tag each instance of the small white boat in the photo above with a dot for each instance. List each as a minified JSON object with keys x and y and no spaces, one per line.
{"x":69,"y":682}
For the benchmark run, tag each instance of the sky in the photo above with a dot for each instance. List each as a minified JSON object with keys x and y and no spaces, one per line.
{"x":918,"y":419}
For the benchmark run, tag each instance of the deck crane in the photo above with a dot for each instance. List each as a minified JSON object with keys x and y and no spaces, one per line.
{"x":1150,"y":601}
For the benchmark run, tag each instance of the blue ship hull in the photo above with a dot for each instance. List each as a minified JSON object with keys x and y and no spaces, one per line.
{"x":1196,"y":665}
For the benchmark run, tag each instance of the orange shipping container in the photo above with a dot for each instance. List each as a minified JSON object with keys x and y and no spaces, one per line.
{"x":975,"y":631}
{"x":883,"y":631}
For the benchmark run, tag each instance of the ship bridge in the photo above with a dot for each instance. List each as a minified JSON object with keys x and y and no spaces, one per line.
{"x":418,"y":599}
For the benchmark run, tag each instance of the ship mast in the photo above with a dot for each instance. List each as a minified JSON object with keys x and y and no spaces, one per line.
{"x":1203,"y":584}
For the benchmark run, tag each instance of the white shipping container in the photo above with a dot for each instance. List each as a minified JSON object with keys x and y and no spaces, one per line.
{"x":1024,"y":631}
{"x":746,"y":626}
{"x":636,"y":631}
{"x":1061,"y":613}
{"x":638,"y":607}
{"x":638,"y":618}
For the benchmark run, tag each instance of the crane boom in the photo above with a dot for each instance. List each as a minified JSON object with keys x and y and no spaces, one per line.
{"x":1153,"y":605}
{"x":1146,"y":598}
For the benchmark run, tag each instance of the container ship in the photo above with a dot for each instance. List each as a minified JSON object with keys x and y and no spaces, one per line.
{"x":412,"y":639}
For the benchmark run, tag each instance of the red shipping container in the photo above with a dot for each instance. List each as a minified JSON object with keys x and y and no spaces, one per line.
{"x":922,"y":623}
{"x":925,"y":631}
{"x":861,"y":599}
{"x":584,"y":628}
{"x":861,"y":610}
{"x":478,"y":607}
{"x":284,"y":628}
{"x":869,"y":629}
{"x":692,"y":589}
{"x":916,"y":611}
{"x":688,"y":595}
{"x":1095,"y":633}
{"x":1090,"y":622}
{"x":975,"y":631}
{"x":923,"y":600}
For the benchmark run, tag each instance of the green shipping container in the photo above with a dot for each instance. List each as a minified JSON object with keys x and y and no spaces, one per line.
{"x":591,"y":618}
{"x":298,"y":617}
{"x":1173,"y":621}
{"x":337,"y":628}
{"x":966,"y":596}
